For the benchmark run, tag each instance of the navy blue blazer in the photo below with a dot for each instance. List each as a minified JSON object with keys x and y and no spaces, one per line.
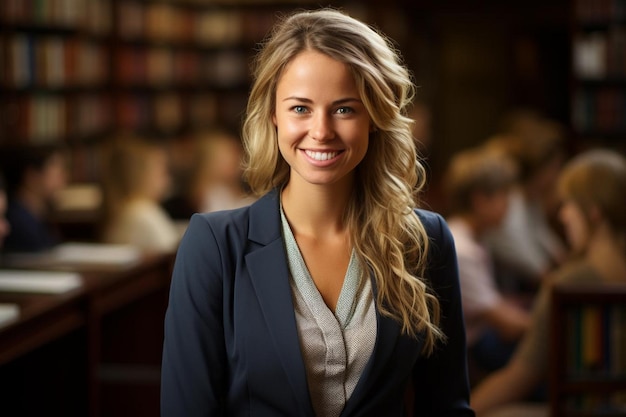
{"x":231,"y":344}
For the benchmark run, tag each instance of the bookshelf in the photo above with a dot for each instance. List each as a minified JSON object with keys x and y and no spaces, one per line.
{"x":599,"y":71}
{"x":82,"y":71}
{"x":588,"y":350}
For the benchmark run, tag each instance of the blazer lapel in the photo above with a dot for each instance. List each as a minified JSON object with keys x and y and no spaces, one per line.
{"x":269,"y":273}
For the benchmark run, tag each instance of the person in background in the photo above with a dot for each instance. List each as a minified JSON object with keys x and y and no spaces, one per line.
{"x":593,"y":212}
{"x":33,"y":174}
{"x":5,"y":227}
{"x":478,"y":185}
{"x":330,"y":295}
{"x":526,"y":246}
{"x":136,"y":180}
{"x":212,"y":180}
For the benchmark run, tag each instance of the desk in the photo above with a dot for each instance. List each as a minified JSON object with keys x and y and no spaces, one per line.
{"x":109,"y":332}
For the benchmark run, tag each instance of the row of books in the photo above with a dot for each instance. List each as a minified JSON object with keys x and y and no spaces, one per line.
{"x":600,"y":11}
{"x":51,"y":61}
{"x":599,"y":110}
{"x":597,"y":341}
{"x":160,"y":66}
{"x":208,"y":27}
{"x":600,"y":54}
{"x":49,"y":118}
{"x":93,"y":16}
{"x":169,"y":111}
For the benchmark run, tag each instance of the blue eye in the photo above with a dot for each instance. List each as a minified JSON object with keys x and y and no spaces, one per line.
{"x":345,"y":110}
{"x":299,"y":109}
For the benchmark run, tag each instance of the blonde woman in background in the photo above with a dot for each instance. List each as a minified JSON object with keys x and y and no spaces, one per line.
{"x":330,"y":295}
{"x":136,"y":180}
{"x":591,"y":188}
{"x":218,"y":179}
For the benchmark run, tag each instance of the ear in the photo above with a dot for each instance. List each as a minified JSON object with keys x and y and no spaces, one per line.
{"x":274,"y":119}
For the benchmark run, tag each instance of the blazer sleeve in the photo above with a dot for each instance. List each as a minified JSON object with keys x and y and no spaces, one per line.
{"x":193,"y":374}
{"x":440,"y":381}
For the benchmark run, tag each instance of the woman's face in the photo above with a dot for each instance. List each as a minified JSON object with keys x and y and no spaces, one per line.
{"x":575,"y":225}
{"x":323,"y":127}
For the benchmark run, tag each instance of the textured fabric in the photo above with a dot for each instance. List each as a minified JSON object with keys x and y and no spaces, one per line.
{"x":478,"y":285}
{"x":335,"y":347}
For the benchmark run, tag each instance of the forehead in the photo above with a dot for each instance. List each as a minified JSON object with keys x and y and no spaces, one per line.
{"x":315,"y":72}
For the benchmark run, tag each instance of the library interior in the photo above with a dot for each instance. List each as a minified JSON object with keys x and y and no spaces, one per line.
{"x":120,"y":119}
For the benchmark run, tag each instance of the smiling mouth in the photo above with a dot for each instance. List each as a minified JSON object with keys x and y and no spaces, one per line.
{"x":321,"y":156}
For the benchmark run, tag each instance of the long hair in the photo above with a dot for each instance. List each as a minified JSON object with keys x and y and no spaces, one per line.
{"x":387,"y":235}
{"x":125,"y":160}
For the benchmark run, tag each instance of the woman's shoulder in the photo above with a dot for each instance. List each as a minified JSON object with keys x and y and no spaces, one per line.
{"x":433,"y":222}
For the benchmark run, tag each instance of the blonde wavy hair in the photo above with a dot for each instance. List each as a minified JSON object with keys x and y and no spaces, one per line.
{"x":386,"y":233}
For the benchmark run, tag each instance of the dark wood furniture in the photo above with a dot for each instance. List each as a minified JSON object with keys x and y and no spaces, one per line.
{"x":94,"y":350}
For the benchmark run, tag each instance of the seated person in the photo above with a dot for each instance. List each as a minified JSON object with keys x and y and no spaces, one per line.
{"x":526,"y":246}
{"x":593,"y":212}
{"x":477,"y":185}
{"x":212,"y":178}
{"x":136,"y":180}
{"x":34,"y":174}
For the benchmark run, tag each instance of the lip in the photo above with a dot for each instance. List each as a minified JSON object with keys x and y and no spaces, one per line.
{"x":307,"y":153}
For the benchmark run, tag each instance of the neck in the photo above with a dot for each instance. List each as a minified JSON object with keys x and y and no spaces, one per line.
{"x":315,"y":211}
{"x":476,"y":228}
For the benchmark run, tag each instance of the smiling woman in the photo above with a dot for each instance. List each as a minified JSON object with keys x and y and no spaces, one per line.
{"x":332,"y":294}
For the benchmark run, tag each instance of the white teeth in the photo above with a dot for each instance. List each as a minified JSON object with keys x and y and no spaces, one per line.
{"x":321,"y":156}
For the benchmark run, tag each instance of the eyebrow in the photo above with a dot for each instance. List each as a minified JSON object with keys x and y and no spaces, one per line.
{"x":334,"y":103}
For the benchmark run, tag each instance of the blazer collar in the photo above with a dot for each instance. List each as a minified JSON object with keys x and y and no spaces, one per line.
{"x":269,"y":272}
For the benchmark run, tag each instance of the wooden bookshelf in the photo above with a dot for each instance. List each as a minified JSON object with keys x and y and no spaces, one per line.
{"x":598,"y":112}
{"x":80,"y":71}
{"x":588,"y":350}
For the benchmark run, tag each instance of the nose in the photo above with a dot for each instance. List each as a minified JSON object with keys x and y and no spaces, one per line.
{"x":321,"y":127}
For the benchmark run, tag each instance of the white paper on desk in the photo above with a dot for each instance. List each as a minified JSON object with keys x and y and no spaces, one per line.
{"x":8,"y":312}
{"x":48,"y":282}
{"x":95,"y":254}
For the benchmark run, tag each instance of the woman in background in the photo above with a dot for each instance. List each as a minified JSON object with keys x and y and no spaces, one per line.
{"x":136,"y":180}
{"x":330,"y":295}
{"x":33,"y":176}
{"x":593,"y":212}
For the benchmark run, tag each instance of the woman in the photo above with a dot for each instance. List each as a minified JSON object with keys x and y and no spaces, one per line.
{"x":593,"y":212}
{"x":137,"y":179}
{"x":329,"y":295}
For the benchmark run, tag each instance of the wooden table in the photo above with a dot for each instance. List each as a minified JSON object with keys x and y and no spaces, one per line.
{"x":108,"y":333}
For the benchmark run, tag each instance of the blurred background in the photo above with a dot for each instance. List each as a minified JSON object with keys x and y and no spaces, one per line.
{"x":82,"y":72}
{"x":121,"y":118}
